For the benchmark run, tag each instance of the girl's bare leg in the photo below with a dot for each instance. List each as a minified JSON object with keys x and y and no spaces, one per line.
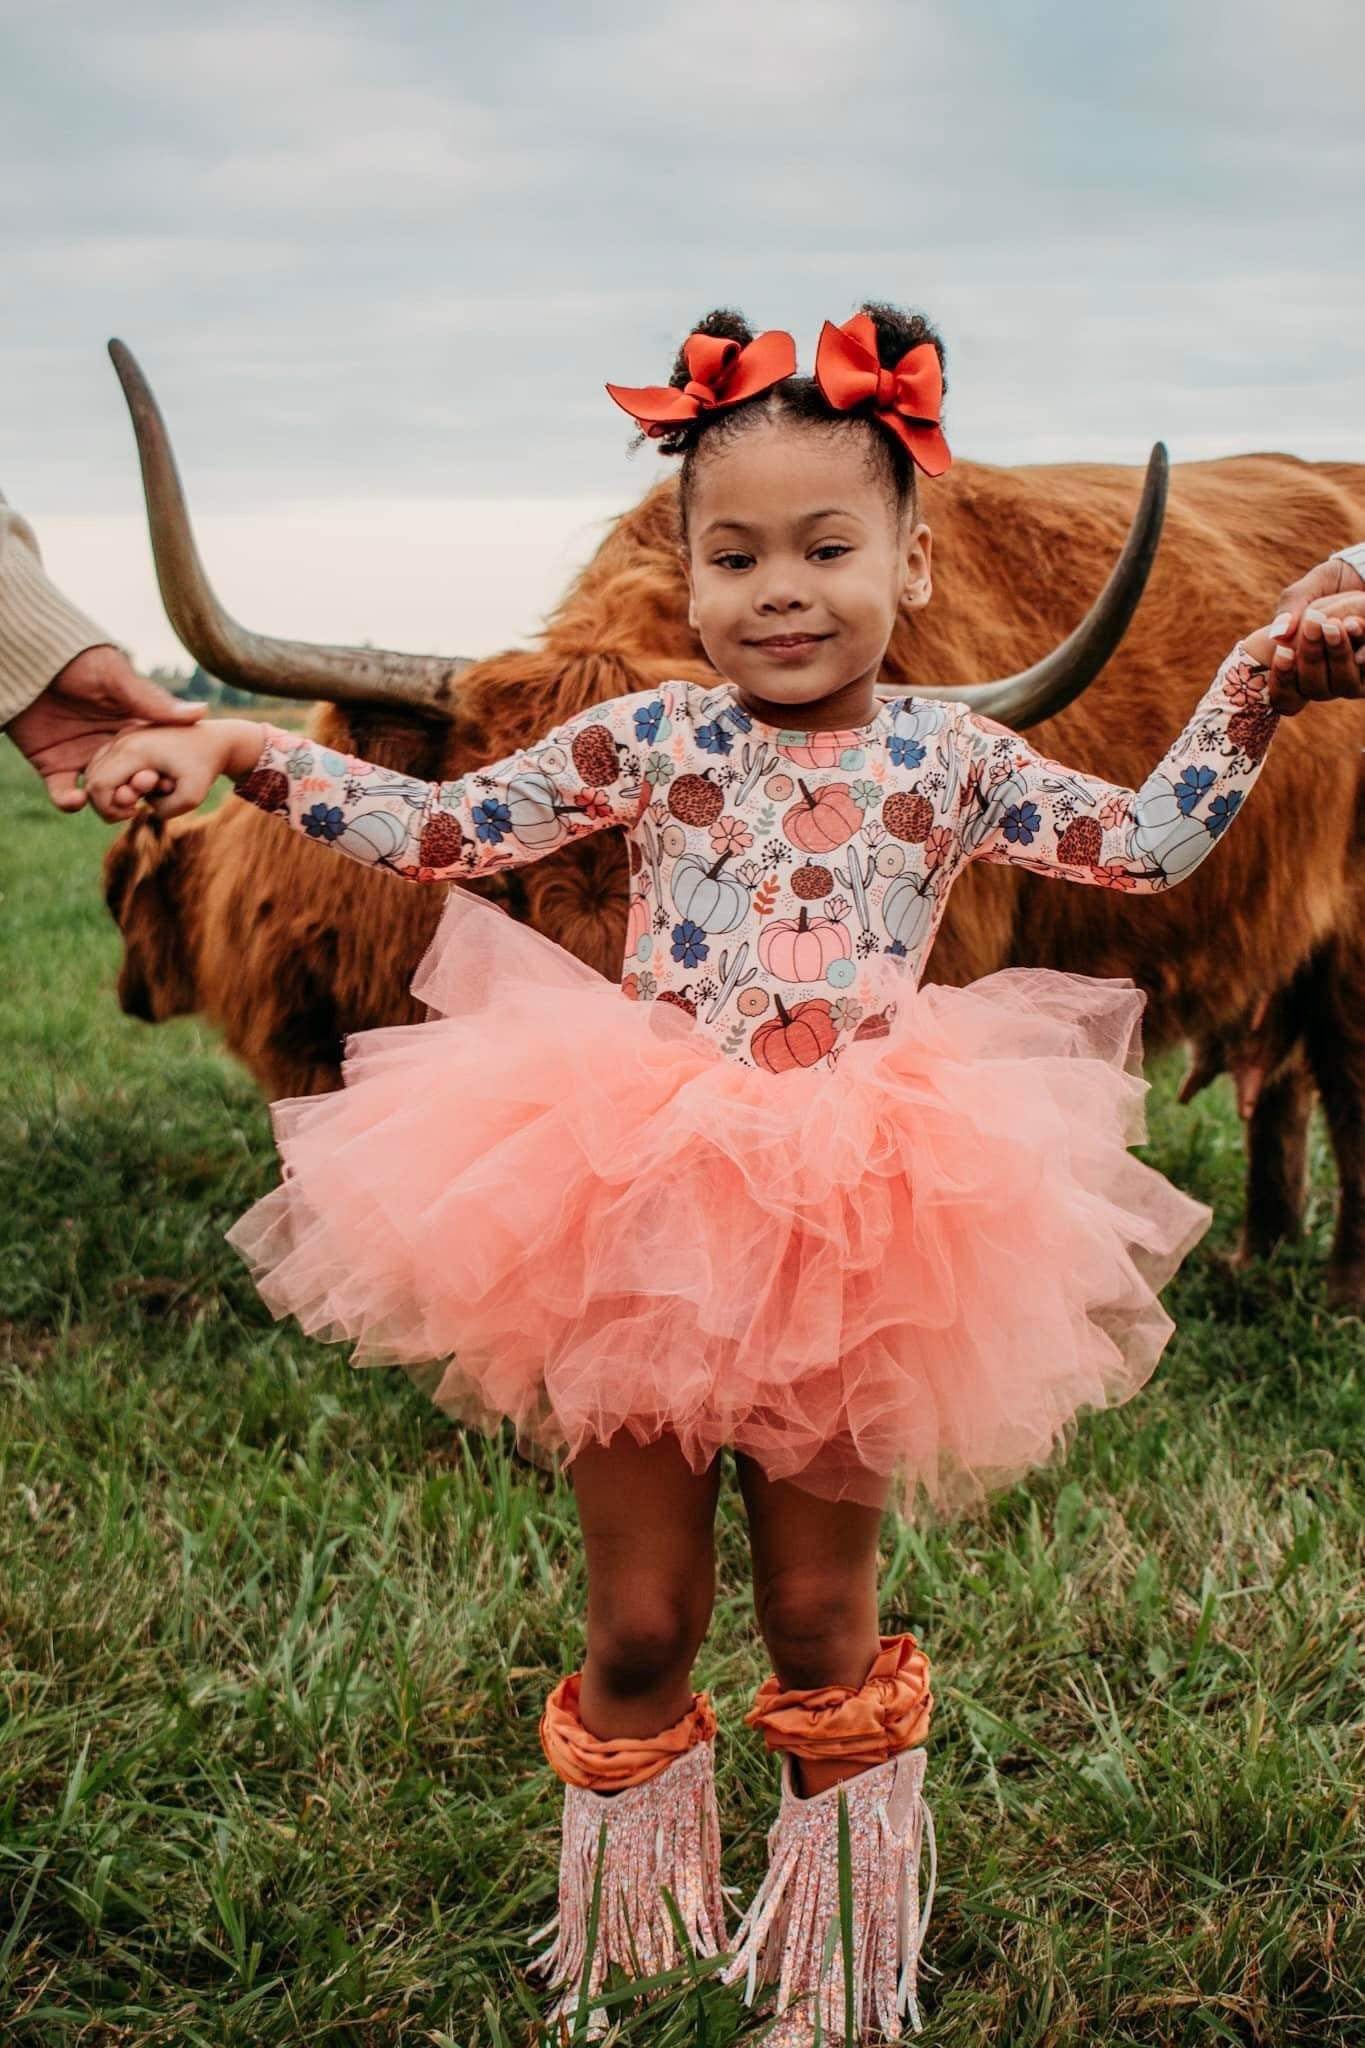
{"x":815,"y":1593}
{"x":648,"y":1532}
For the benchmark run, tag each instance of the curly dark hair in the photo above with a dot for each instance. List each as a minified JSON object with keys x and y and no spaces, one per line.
{"x":799,"y":399}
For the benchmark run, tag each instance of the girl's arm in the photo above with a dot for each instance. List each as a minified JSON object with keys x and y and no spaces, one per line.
{"x":585,"y":774}
{"x":1019,"y":806}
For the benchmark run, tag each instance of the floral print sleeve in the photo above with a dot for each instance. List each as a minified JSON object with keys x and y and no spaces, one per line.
{"x":586,"y":774}
{"x":1018,"y":806}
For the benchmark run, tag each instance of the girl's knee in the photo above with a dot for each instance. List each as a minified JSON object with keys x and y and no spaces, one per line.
{"x":645,"y":1637}
{"x":819,"y":1628}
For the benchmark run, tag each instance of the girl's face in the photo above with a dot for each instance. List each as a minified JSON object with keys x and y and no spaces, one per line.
{"x":791,"y":534}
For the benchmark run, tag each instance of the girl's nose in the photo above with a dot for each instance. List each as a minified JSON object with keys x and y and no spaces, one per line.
{"x":781,"y":598}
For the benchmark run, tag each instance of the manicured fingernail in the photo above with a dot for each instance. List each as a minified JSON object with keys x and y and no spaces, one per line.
{"x":1284,"y":657}
{"x":1279,"y":624}
{"x":1332,"y":631}
{"x":1353,"y":627}
{"x":1312,"y":618}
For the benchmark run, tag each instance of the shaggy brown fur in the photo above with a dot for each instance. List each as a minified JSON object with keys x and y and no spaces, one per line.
{"x":288,"y":952}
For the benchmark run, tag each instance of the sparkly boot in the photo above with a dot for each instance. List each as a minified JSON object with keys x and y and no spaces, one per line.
{"x":795,"y":1912}
{"x":625,"y":1848}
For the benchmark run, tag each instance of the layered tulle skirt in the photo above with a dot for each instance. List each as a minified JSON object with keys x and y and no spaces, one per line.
{"x":563,"y":1208}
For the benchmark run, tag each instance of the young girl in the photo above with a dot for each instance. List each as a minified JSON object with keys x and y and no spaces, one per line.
{"x":882,"y":1240}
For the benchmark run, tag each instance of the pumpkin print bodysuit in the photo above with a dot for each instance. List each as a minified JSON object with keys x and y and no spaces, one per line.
{"x":769,"y":866}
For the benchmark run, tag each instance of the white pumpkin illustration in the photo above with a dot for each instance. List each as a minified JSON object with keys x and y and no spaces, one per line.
{"x":982,"y":818}
{"x":714,"y":901}
{"x":533,"y":806}
{"x":374,"y":835}
{"x":918,"y":719}
{"x":907,"y":911}
{"x":1163,"y":834}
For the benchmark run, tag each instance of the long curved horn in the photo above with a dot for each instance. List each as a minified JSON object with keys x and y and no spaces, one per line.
{"x":1054,"y":682}
{"x":254,"y":661}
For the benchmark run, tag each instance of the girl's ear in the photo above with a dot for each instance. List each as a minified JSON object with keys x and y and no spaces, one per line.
{"x":917,"y":585}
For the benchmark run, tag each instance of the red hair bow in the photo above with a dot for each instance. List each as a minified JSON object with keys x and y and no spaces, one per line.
{"x":908,"y":398}
{"x":720,"y":373}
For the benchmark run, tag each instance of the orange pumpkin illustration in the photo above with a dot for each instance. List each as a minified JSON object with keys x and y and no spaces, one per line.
{"x":695,"y":799}
{"x":812,"y":882}
{"x":801,"y":949}
{"x":819,"y":749}
{"x":637,"y":924}
{"x":795,"y":1038}
{"x":823,"y":819}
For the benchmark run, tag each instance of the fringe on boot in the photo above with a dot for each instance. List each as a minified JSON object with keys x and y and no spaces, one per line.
{"x":664,"y":1833}
{"x":791,"y":1932}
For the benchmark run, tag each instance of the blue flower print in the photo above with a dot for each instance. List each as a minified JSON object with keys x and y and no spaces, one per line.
{"x":492,"y":820}
{"x":1223,"y":810}
{"x":689,"y":943}
{"x":324,"y":821}
{"x":1020,"y":823}
{"x":1191,"y":789}
{"x":714,"y":739}
{"x":904,"y":752}
{"x":648,"y":719}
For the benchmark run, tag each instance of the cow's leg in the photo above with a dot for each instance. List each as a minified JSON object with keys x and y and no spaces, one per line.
{"x":1335,"y":1024}
{"x":1277,"y":1161}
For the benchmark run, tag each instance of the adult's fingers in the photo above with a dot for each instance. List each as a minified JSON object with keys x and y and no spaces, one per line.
{"x":138,"y":697}
{"x":1306,"y":662}
{"x":63,"y":789}
{"x":1326,"y":656}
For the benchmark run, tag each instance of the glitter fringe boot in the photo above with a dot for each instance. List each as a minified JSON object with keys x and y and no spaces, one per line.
{"x":664,"y":1833}
{"x":795,"y":1912}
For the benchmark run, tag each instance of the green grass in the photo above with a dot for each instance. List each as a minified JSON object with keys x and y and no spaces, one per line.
{"x":274,"y":1638}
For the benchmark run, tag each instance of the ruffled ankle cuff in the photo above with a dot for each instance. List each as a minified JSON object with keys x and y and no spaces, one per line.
{"x":862,"y":1725}
{"x":613,"y":1763}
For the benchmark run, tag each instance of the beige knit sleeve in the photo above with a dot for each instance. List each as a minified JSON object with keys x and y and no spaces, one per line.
{"x":40,"y":630}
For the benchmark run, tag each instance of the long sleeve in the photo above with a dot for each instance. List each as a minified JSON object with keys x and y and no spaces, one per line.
{"x":40,"y":630}
{"x":1019,"y":806}
{"x":586,"y":774}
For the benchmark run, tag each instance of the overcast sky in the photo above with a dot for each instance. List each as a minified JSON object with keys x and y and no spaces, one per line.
{"x":379,"y":262}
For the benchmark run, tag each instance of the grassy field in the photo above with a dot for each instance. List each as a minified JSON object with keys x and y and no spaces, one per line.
{"x":274,"y":1638}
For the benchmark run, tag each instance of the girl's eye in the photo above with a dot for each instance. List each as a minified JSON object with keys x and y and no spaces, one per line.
{"x":733,"y":555}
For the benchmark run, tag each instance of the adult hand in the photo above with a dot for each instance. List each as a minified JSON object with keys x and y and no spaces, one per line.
{"x":1336,"y":627}
{"x":1309,"y":663}
{"x":94,"y":697}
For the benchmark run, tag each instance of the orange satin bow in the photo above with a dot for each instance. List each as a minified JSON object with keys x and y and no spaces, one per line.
{"x":610,"y":1763}
{"x":720,"y":373}
{"x":908,"y":398}
{"x":864,"y":1724}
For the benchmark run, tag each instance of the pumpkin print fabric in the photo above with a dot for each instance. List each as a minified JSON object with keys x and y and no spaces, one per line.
{"x":888,"y":1240}
{"x":771,"y":868}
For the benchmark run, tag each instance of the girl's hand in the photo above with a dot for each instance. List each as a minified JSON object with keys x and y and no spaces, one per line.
{"x":1316,"y":655}
{"x":169,"y":768}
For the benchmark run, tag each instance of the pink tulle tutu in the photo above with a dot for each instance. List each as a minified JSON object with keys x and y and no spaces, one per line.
{"x":572,"y":1210}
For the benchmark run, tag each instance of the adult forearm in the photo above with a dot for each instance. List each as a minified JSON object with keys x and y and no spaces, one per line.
{"x":40,"y":630}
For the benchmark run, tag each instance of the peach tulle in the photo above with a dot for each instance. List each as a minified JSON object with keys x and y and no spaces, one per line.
{"x":856,"y":1724}
{"x":609,"y":1763}
{"x":907,"y":1275}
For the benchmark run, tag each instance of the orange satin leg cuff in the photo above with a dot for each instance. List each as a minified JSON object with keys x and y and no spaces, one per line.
{"x":865,"y":1724}
{"x":599,"y":1763}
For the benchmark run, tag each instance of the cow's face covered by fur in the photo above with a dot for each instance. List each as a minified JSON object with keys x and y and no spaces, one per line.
{"x":149,"y":888}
